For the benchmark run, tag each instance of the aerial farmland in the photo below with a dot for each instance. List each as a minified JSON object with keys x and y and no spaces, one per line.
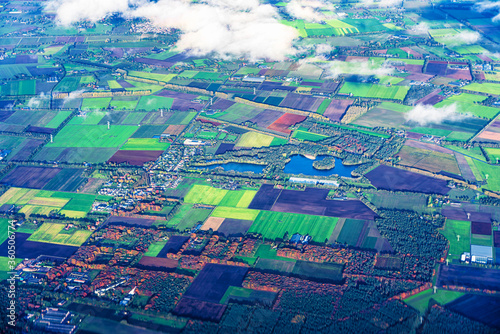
{"x":260,"y":166}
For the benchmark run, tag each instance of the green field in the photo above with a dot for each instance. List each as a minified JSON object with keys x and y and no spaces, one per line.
{"x":124,"y":103}
{"x":489,"y":173}
{"x":92,"y":136}
{"x":5,"y":268}
{"x":274,"y":225}
{"x":487,"y":88}
{"x":374,"y":91}
{"x":187,"y":217}
{"x":149,"y":103}
{"x":431,"y":131}
{"x":350,"y":232}
{"x":155,"y":248}
{"x":493,"y":153}
{"x":469,"y":107}
{"x":153,"y":76}
{"x":58,"y":119}
{"x":54,"y":233}
{"x":238,"y":198}
{"x":205,"y":194}
{"x":146,"y":144}
{"x":254,"y":139}
{"x":452,"y":229}
{"x":267,"y":252}
{"x":421,"y":300}
{"x":4,"y":228}
{"x":481,"y":240}
{"x":96,"y":103}
{"x":305,"y":135}
{"x":235,"y":213}
{"x":18,"y":87}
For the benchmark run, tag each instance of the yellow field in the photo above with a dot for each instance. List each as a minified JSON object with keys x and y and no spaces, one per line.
{"x":254,"y":139}
{"x":53,"y":233}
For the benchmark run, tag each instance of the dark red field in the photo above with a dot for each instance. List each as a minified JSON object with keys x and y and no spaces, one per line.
{"x":265,"y":197}
{"x":496,"y":239}
{"x":436,"y":68}
{"x":222,"y":104}
{"x":301,"y":102}
{"x":30,"y":177}
{"x":469,"y":277}
{"x":182,"y":101}
{"x":480,"y":228}
{"x":266,"y":118}
{"x":344,"y":209}
{"x":27,"y":149}
{"x":193,"y":308}
{"x":485,"y":309}
{"x":461,"y":214}
{"x":459,"y":74}
{"x":284,"y":122}
{"x":394,"y":179}
{"x":234,"y":227}
{"x":158,"y":262}
{"x":224,"y":147}
{"x":32,"y":249}
{"x":135,"y":158}
{"x":337,"y":109}
{"x":173,"y":245}
{"x":174,"y":130}
{"x":213,"y":281}
{"x":432,"y":98}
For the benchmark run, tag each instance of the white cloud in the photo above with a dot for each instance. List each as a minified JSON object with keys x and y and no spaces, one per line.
{"x":381,"y":3}
{"x":72,"y":95}
{"x":223,"y":27}
{"x":464,"y":37}
{"x":336,"y":68}
{"x":309,"y":10}
{"x":38,"y":101}
{"x":323,"y":48}
{"x":489,"y":5}
{"x":427,"y":114}
{"x":420,"y":29}
{"x":70,"y":11}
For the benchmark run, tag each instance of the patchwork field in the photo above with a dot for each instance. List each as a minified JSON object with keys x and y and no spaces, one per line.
{"x":205,"y":194}
{"x":56,"y":233}
{"x":274,"y":225}
{"x":374,"y":91}
{"x":92,"y":136}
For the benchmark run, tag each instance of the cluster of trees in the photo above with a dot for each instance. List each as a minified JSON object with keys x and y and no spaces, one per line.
{"x":167,"y":289}
{"x":364,"y":293}
{"x":410,"y":233}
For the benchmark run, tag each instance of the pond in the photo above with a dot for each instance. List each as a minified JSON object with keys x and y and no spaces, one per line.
{"x":299,"y":164}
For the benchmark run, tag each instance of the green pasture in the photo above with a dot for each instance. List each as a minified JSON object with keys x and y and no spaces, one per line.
{"x":96,"y":103}
{"x":238,"y":198}
{"x":306,"y":135}
{"x":452,"y":229}
{"x":153,"y":76}
{"x":254,"y":139}
{"x":55,"y":233}
{"x":486,"y":88}
{"x":146,"y":144}
{"x":155,"y":248}
{"x":235,"y":213}
{"x":92,"y":136}
{"x":205,"y":195}
{"x":421,"y":300}
{"x":273,"y":225}
{"x":374,"y":91}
